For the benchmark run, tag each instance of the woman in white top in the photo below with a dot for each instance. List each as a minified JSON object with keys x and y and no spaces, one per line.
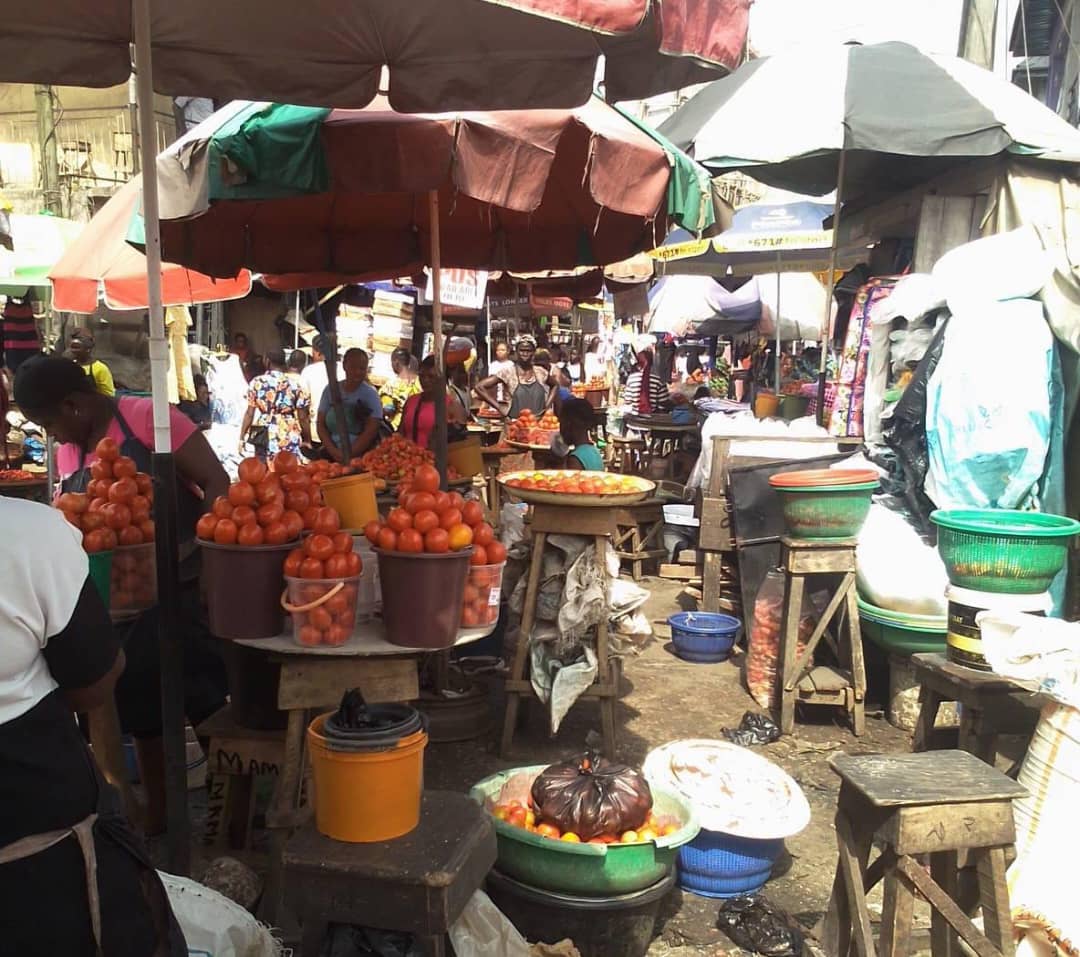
{"x":595,"y":367}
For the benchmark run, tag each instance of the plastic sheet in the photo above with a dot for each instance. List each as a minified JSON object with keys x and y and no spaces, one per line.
{"x":213,"y":925}
{"x":753,"y":729}
{"x":753,"y":924}
{"x":483,"y":931}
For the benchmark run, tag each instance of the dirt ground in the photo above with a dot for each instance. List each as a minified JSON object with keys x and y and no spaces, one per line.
{"x":664,"y":699}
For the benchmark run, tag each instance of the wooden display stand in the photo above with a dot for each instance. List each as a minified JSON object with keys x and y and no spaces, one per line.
{"x":599,"y":523}
{"x":800,"y":680}
{"x":940,"y":804}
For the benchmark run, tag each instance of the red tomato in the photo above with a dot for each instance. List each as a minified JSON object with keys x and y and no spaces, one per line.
{"x":327,"y":521}
{"x":277,"y":533}
{"x":72,"y":519}
{"x":450,"y":518}
{"x":410,"y":540}
{"x":426,"y":479}
{"x":319,"y":546}
{"x":309,"y":636}
{"x":388,"y":539}
{"x":343,"y":542}
{"x":123,"y":490}
{"x":456,"y":501}
{"x":95,"y":541}
{"x":97,"y":488}
{"x":469,"y":618}
{"x":145,"y":483}
{"x":293,"y":523}
{"x":225,"y":532}
{"x":123,"y":467}
{"x":252,"y":470}
{"x":101,"y":469}
{"x":337,"y":635}
{"x":472,"y":513}
{"x":241,"y":493}
{"x":269,"y":513}
{"x":221,"y":507}
{"x":478,"y":556}
{"x":92,"y":521}
{"x":269,"y":490}
{"x":130,"y":535}
{"x":244,"y":515}
{"x":353,"y":567}
{"x":336,"y":566}
{"x":250,"y":534}
{"x":483,"y":534}
{"x":496,"y":553}
{"x":437,"y":540}
{"x":292,"y":562}
{"x":140,"y":508}
{"x":117,"y":516}
{"x":311,"y":568}
{"x":425,"y":521}
{"x":371,"y":531}
{"x":420,"y":502}
{"x":285,"y":462}
{"x":399,"y":519}
{"x":292,"y":481}
{"x":107,"y":449}
{"x":74,"y":502}
{"x":149,"y":532}
{"x":309,"y":515}
{"x":297,"y":500}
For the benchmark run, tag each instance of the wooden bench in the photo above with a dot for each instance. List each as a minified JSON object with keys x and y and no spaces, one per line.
{"x":639,"y":535}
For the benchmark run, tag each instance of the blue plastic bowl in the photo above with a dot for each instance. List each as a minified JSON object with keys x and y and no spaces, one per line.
{"x":715,"y":864}
{"x":703,"y":636}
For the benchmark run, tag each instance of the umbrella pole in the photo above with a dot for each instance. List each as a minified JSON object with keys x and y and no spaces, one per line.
{"x":172,"y":647}
{"x":826,"y":325}
{"x":439,"y":434}
{"x":777,"y":320}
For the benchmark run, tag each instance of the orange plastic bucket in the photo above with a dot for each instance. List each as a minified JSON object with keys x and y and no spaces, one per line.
{"x":353,"y":497}
{"x":362,"y":797}
{"x":766,"y":405}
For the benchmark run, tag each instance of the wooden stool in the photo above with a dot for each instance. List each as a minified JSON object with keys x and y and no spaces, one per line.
{"x":235,"y":757}
{"x":936,"y":803}
{"x":599,"y":523}
{"x":639,"y":534}
{"x":417,"y":884}
{"x":629,"y":456}
{"x":989,"y":705}
{"x":800,"y":680}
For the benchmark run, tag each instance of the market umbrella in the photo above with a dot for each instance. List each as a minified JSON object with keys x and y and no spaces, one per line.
{"x":440,"y":54}
{"x":101,"y":265}
{"x":899,"y":116}
{"x":37,"y":242}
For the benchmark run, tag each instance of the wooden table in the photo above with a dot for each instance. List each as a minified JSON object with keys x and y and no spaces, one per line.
{"x":34,"y":490}
{"x":314,"y":679}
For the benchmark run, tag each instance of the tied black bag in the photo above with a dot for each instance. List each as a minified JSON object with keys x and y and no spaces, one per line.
{"x":591,"y":796}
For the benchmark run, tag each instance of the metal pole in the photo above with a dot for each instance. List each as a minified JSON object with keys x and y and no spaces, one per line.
{"x":826,"y":325}
{"x":172,"y":647}
{"x":439,"y":434}
{"x":46,"y":130}
{"x":133,"y":122}
{"x":778,"y":323}
{"x":296,"y":326}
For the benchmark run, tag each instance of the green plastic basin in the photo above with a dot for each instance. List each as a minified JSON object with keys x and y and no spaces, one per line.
{"x":826,"y":511}
{"x":101,"y":574}
{"x":1003,"y":551}
{"x":901,"y":634}
{"x":589,"y":869}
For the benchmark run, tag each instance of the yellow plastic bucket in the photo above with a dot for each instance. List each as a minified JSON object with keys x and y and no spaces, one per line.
{"x":465,"y":456}
{"x":353,"y":496}
{"x":362,"y":797}
{"x":766,"y":405}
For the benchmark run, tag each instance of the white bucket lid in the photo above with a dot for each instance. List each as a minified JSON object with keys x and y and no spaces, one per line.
{"x":993,"y":601}
{"x":730,"y":788}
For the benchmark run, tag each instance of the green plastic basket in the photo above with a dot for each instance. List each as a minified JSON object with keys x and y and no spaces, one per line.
{"x":826,"y":511}
{"x":1003,"y":551}
{"x":101,"y":574}
{"x":590,"y":869}
{"x":901,"y":634}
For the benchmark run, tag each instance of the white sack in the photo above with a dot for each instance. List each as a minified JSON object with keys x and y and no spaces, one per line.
{"x":896,"y":569}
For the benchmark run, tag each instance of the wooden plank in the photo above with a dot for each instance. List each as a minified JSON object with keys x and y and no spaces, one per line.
{"x":950,"y":827}
{"x":945,"y":870}
{"x":320,"y":683}
{"x":721,"y":452}
{"x":570,"y":520}
{"x":679,"y":572}
{"x":715,"y":531}
{"x":690,"y":556}
{"x":239,"y":755}
{"x":994,"y":898}
{"x":945,"y":222}
{"x":710,"y":582}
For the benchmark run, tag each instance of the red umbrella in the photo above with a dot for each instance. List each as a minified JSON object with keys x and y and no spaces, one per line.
{"x":441,"y":54}
{"x":101,"y":263}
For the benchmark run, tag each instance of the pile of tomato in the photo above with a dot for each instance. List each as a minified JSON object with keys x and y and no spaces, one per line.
{"x":16,"y":475}
{"x":595,"y":384}
{"x":268,"y":505}
{"x":530,"y":430}
{"x":576,"y":482}
{"x":115,"y":508}
{"x":327,"y":613}
{"x":430,"y":520}
{"x":523,"y":816}
{"x":396,"y":459}
{"x":483,"y":590}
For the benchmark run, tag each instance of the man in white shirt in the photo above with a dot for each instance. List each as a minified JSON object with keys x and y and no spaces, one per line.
{"x":315,"y":377}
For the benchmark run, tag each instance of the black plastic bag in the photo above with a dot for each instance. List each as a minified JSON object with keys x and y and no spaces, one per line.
{"x":752,"y":924}
{"x":753,"y":729}
{"x":590,"y":796}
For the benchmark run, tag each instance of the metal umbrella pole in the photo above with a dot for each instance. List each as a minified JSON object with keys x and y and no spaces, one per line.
{"x":777,"y":320}
{"x":178,"y":837}
{"x":439,"y":434}
{"x":826,"y":325}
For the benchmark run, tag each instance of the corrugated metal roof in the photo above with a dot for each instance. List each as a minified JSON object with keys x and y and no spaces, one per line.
{"x":1039,"y":17}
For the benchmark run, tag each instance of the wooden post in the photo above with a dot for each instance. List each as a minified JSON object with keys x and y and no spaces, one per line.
{"x":439,"y":435}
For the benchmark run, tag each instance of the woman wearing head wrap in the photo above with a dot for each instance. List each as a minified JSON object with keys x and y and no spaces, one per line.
{"x":57,"y":395}
{"x":644,"y":392}
{"x":526,"y":385}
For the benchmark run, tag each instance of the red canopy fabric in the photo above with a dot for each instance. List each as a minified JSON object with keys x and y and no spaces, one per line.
{"x":101,"y":259}
{"x":441,"y":54}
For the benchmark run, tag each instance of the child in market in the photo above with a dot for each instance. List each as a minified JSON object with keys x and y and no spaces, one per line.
{"x":573,"y":441}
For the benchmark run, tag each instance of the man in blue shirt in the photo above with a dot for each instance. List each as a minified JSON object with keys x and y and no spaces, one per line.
{"x":363,"y":411}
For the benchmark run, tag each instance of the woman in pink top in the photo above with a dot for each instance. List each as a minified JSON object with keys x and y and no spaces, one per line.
{"x":418,"y":416}
{"x":60,"y":397}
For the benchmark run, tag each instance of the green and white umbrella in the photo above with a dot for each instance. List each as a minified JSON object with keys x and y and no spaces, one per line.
{"x":37,"y":242}
{"x":899,"y":116}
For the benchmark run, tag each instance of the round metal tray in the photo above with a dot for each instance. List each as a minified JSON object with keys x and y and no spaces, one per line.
{"x":590,"y":500}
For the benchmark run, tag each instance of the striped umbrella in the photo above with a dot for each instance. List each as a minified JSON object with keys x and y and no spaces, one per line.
{"x":898,"y":115}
